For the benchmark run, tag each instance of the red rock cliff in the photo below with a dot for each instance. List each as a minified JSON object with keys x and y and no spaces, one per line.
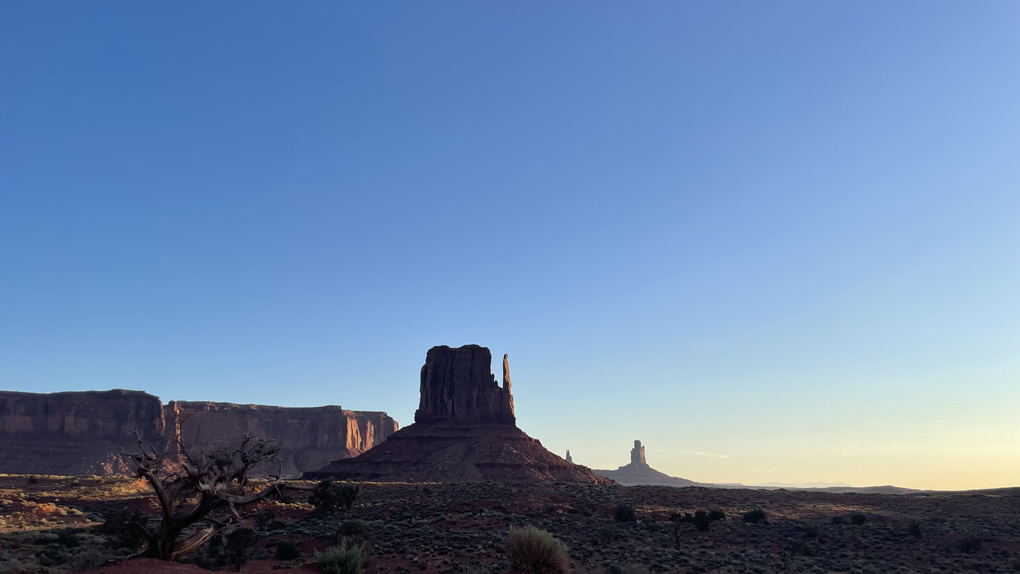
{"x":74,"y":433}
{"x":83,"y":432}
{"x":308,"y":437}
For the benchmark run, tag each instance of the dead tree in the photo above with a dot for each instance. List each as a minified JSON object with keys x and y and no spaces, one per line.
{"x":190,"y":489}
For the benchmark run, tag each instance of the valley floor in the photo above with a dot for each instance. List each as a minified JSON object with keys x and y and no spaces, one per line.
{"x":47,"y":525}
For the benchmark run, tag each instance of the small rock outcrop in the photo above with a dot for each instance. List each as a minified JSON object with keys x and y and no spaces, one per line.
{"x":570,"y":460}
{"x":638,"y":472}
{"x":80,"y":433}
{"x":464,"y":431}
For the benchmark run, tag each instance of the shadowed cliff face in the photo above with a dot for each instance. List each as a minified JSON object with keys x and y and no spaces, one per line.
{"x":84,"y":432}
{"x":458,"y":387}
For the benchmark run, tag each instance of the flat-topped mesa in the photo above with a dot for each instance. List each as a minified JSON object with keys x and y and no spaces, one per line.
{"x":457,"y":386}
{"x":637,"y":454}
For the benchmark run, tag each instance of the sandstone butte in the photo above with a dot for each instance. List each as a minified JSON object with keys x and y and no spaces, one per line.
{"x":82,"y":433}
{"x":464,"y":430}
{"x":638,"y":472}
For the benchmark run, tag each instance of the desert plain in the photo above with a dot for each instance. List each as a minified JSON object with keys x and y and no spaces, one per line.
{"x":52,"y":524}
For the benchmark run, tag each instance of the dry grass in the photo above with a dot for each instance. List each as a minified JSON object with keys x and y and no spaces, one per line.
{"x":534,"y":551}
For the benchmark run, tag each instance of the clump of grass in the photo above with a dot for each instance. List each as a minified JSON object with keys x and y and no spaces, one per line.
{"x":535,"y":551}
{"x":342,"y":559}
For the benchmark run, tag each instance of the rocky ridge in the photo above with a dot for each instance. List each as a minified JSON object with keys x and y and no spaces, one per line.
{"x":80,"y":433}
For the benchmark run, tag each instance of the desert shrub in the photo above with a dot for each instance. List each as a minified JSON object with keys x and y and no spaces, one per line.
{"x":240,"y":544}
{"x":606,"y":534}
{"x":330,"y":497}
{"x":355,"y":530}
{"x":969,"y":545}
{"x":915,"y":529}
{"x":287,"y":551}
{"x":68,"y":538}
{"x":624,"y":513}
{"x":858,"y":519}
{"x":810,"y":530}
{"x":700,"y":519}
{"x":838,"y":520}
{"x":755,"y":516}
{"x":85,"y":561}
{"x":276,"y":525}
{"x":123,"y":528}
{"x":341,"y":559}
{"x":51,"y":555}
{"x":75,"y":482}
{"x":33,"y":479}
{"x":263,"y":518}
{"x":535,"y":551}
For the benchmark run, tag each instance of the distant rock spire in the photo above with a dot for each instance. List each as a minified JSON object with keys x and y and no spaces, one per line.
{"x":637,"y":454}
{"x":570,"y":460}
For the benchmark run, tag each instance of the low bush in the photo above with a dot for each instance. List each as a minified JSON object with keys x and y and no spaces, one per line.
{"x":858,"y":519}
{"x":915,"y":529}
{"x":969,"y":545}
{"x":838,"y":520}
{"x":700,"y":519}
{"x":606,"y":534}
{"x":330,"y":497}
{"x":68,"y":538}
{"x":342,"y":559}
{"x":624,"y":513}
{"x":534,"y":551}
{"x":123,"y":528}
{"x":755,"y":516}
{"x":356,"y":530}
{"x":287,"y":551}
{"x":240,"y":544}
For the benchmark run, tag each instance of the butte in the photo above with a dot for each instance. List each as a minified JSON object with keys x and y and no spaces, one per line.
{"x":464,"y":431}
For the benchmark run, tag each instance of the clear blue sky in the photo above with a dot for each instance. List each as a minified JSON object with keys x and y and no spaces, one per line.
{"x":774,"y":241}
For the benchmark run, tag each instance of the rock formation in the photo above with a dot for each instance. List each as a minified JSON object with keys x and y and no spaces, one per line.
{"x":84,"y":432}
{"x":639,"y":473}
{"x":464,"y":431}
{"x":570,"y":460}
{"x":637,"y":454}
{"x":458,"y":387}
{"x":74,"y":433}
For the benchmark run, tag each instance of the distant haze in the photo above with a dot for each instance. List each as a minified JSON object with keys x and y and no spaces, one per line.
{"x":777,"y":242}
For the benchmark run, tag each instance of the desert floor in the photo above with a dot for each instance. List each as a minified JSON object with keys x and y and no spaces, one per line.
{"x":48,"y":524}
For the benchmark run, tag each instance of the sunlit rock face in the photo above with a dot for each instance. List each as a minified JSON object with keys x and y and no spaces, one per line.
{"x":308,"y":437}
{"x":464,"y":431}
{"x":80,"y":433}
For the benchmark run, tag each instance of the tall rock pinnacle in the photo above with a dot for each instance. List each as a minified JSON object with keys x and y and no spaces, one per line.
{"x":637,"y":454}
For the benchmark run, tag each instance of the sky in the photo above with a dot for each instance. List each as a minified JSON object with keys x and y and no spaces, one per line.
{"x":775,"y":242}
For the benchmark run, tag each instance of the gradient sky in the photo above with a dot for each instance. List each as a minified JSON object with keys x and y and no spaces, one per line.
{"x":776,"y":242}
